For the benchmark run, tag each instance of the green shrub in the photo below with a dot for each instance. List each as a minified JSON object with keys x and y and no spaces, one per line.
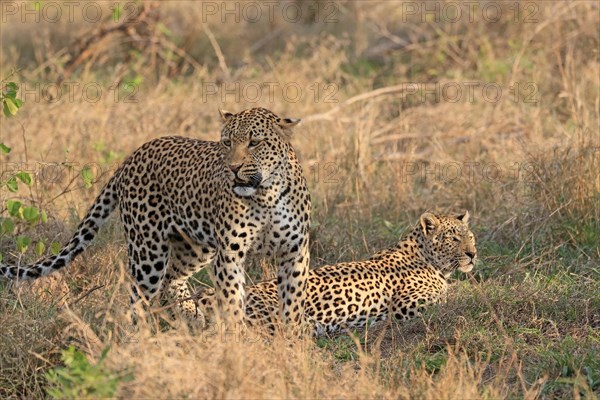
{"x":81,"y":379}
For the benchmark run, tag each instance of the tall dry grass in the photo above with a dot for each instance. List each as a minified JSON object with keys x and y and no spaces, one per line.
{"x":376,"y":151}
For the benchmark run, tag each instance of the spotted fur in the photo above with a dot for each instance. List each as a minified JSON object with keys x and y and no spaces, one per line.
{"x":185,"y":203}
{"x":399,"y":282}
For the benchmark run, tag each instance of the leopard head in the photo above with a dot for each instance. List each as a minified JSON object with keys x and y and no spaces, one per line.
{"x":256,"y":145}
{"x":447,"y":242}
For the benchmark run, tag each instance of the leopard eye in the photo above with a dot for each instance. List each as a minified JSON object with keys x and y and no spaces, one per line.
{"x":254,"y":143}
{"x":226,"y":142}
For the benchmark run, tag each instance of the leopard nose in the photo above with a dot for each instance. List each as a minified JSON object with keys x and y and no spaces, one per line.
{"x":471,"y":255}
{"x":235,"y":167}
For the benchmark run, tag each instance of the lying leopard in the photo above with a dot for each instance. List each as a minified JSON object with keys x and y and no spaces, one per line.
{"x":397,"y":282}
{"x":185,"y":203}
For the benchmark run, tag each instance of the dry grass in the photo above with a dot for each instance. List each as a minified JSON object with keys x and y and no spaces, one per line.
{"x":525,"y":324}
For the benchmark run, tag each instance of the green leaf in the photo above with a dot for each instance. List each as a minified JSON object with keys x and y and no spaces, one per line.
{"x":24,"y":177}
{"x":40,"y":247}
{"x":116,"y":14}
{"x":31,"y":214}
{"x":11,"y":184}
{"x":23,"y":243}
{"x":4,"y":148}
{"x":87,"y":176}
{"x":163,"y":29}
{"x":137,"y":81}
{"x":10,"y":105}
{"x":44,"y":216}
{"x":80,"y":378}
{"x":55,"y":248}
{"x":13,"y":207}
{"x":12,"y":86}
{"x":10,"y":90}
{"x":388,"y":225}
{"x":8,"y":226}
{"x":103,"y":354}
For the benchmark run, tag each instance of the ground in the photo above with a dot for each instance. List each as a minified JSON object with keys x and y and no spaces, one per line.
{"x":401,"y":114}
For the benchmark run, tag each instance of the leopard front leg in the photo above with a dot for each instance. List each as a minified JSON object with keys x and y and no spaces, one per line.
{"x":186,"y":259}
{"x":228,"y":277}
{"x":291,"y":281}
{"x":412,"y":303}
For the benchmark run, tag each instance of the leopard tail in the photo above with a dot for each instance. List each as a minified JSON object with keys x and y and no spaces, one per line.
{"x":103,"y":206}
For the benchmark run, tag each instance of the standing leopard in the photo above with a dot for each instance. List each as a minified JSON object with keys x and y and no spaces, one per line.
{"x":185,"y":203}
{"x":398,"y":282}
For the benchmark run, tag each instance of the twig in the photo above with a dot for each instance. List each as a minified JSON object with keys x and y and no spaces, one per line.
{"x":180,"y":52}
{"x":491,"y":235}
{"x":400,"y":136}
{"x":540,"y":225}
{"x":217,"y":49}
{"x":262,"y":42}
{"x":84,"y":45}
{"x":355,"y":99}
{"x":86,"y":294}
{"x":50,"y":61}
{"x":524,"y":47}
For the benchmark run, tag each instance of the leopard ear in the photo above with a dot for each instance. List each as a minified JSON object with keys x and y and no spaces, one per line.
{"x":225,"y":115}
{"x":286,"y":125}
{"x":464,"y":217}
{"x":429,"y":223}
